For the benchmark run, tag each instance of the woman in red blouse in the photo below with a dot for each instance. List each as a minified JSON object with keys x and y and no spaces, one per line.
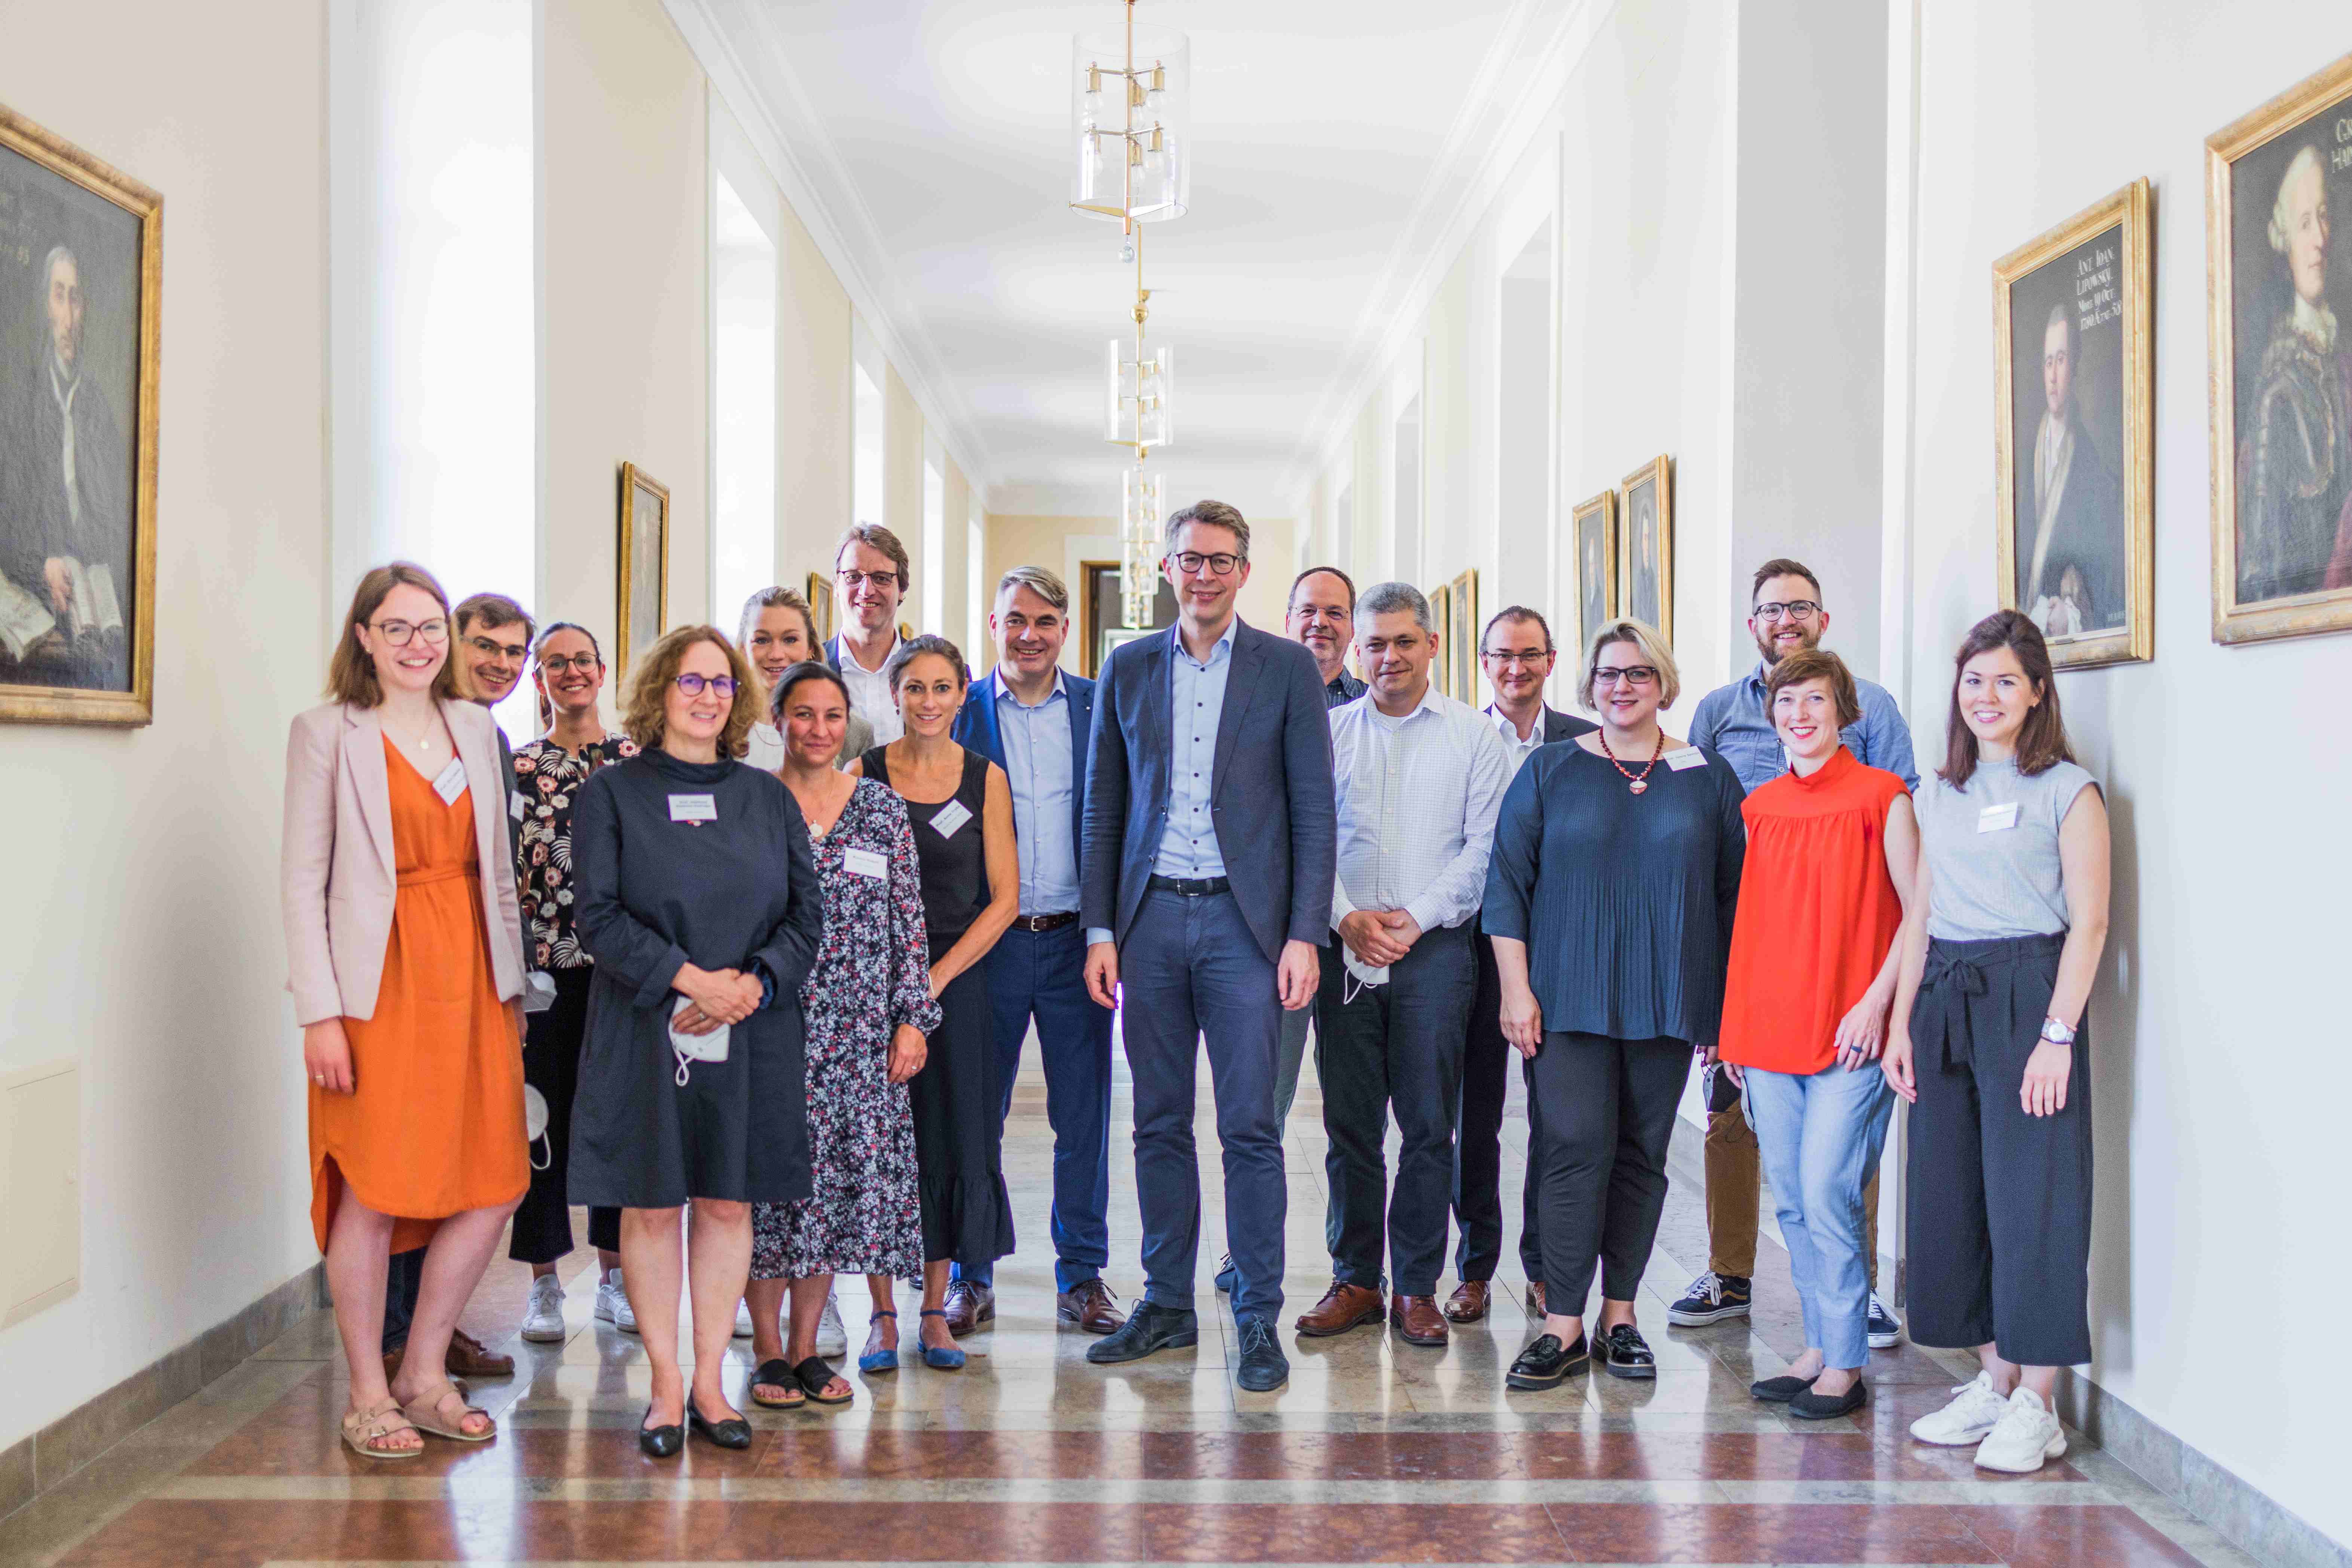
{"x":1831,"y":849}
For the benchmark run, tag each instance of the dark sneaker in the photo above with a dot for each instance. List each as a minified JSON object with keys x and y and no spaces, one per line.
{"x":1262,"y":1367}
{"x":1711,"y":1298}
{"x":1885,"y":1333}
{"x":1547,"y":1363}
{"x":1151,"y":1327}
{"x":1623,"y":1352}
{"x":1226,"y":1274}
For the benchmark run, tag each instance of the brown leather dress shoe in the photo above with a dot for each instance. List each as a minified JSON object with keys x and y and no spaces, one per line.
{"x":969,"y":1305}
{"x":1469,"y":1301}
{"x":1417,"y":1320}
{"x":1535,"y":1299}
{"x":1091,"y":1307}
{"x":469,"y":1357}
{"x":392,"y":1358}
{"x":1342,"y":1308}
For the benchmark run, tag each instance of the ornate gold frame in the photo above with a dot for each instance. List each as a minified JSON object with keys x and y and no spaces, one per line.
{"x":818,"y":591}
{"x":1659,"y":470}
{"x":634,"y":479}
{"x":1462,"y":637}
{"x":2331,"y":609}
{"x":1441,"y":616}
{"x":65,"y":704}
{"x":1605,"y":503}
{"x":2128,"y":209}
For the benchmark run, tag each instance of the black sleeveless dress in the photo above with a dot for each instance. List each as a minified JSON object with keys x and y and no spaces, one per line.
{"x":957,"y":1098}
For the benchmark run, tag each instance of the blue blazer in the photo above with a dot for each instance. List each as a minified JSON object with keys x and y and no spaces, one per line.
{"x":977,"y":729}
{"x":1272,"y":806}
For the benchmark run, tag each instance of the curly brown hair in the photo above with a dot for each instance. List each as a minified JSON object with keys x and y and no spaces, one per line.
{"x":645,"y":711}
{"x":1817,"y":664}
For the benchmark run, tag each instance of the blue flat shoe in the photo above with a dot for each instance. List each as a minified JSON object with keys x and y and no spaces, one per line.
{"x":878,"y":1361}
{"x":937,"y":1358}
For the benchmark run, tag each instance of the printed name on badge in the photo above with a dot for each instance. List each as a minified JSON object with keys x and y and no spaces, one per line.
{"x":953,"y":816}
{"x":866,"y":863}
{"x":1687,"y":757}
{"x":1994,"y":818}
{"x":451,"y":783}
{"x":693,"y":808}
{"x":515,"y":806}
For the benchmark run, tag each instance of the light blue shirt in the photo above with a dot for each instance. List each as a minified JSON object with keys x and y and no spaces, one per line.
{"x":1188,"y":848}
{"x":1041,"y":767}
{"x":1734,"y":721}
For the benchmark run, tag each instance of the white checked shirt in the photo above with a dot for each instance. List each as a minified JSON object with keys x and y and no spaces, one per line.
{"x":1417,"y":798}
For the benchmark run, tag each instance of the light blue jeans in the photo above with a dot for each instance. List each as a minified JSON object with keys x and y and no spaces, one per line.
{"x":1821,"y":1136}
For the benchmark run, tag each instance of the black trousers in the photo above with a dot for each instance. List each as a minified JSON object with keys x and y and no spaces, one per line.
{"x":1395,"y":1044}
{"x":1608,"y":1115}
{"x":2000,"y":1201}
{"x":551,"y":1064}
{"x":1478,"y":1137}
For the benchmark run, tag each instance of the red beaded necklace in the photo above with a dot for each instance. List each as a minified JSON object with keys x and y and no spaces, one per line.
{"x":1635,"y":781}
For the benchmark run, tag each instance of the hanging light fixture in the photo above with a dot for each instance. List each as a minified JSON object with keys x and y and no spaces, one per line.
{"x":1142,"y":503}
{"x":1130,"y":111}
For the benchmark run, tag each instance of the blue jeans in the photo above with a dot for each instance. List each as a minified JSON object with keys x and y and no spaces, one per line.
{"x":1041,"y":974}
{"x":1820,"y":1136}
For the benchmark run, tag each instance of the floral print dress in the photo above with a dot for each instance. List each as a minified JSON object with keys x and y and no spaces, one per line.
{"x":872,"y":974}
{"x":548,"y":777}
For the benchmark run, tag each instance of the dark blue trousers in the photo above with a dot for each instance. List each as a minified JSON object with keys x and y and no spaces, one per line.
{"x":1191,"y":970}
{"x":1042,"y":975}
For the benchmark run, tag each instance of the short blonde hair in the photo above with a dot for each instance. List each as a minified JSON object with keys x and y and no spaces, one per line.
{"x":351,"y":673}
{"x":1642,"y":635}
{"x":646,"y":711}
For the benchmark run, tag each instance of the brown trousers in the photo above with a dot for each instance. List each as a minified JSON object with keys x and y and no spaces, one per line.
{"x":1735,"y":1190}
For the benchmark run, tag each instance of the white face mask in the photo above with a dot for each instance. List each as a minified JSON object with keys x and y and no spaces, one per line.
{"x":691,"y":1048}
{"x":534,"y":1125}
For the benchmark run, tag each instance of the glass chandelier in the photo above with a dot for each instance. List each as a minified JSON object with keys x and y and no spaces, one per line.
{"x":1130,"y":110}
{"x":1142,"y":503}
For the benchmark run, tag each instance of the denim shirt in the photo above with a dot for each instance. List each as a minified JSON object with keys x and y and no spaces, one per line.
{"x":1736,"y":722}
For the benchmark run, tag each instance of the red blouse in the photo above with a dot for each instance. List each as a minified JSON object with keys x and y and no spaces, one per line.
{"x":1817,"y":913}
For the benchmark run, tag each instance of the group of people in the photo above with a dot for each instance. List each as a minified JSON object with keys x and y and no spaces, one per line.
{"x":784,"y":935}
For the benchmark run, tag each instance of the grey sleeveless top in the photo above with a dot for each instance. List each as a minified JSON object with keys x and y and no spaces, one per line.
{"x":1993,"y":877}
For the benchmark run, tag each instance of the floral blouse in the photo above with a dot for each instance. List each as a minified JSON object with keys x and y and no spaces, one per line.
{"x":549,"y":778}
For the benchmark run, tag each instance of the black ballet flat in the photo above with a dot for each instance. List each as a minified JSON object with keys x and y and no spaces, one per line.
{"x":662,"y":1442}
{"x":733,"y":1432}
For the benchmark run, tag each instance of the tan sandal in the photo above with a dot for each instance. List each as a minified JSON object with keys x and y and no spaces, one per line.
{"x":423,"y":1413}
{"x":363,"y":1430}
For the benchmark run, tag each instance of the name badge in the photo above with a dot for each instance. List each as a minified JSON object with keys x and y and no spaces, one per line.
{"x":1994,"y":818}
{"x":866,"y":863}
{"x":1687,"y":757}
{"x":514,"y":806}
{"x":953,"y":816}
{"x":693,"y":808}
{"x":451,"y":783}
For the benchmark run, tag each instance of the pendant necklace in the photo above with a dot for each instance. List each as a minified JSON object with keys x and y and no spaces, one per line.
{"x":1635,"y":781}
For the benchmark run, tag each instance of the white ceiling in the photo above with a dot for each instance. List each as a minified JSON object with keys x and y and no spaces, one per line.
{"x":1335,"y":142}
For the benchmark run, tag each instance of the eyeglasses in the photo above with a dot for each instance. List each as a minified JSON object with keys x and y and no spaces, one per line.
{"x":490,"y":647}
{"x":585,"y":663}
{"x":851,"y":578}
{"x":1633,"y":675}
{"x":692,"y":684}
{"x":1220,"y":565}
{"x":397,"y":633}
{"x":1795,"y":609}
{"x":1527,"y":657}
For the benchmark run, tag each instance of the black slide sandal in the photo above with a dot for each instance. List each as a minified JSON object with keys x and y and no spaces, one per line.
{"x":814,"y":1374}
{"x":776,"y":1373}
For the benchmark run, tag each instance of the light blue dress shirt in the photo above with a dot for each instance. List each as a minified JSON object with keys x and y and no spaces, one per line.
{"x":1734,"y":721}
{"x":1042,"y":765}
{"x":1188,"y":848}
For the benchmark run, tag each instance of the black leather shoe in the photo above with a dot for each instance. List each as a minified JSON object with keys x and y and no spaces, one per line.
{"x":1151,"y":1327}
{"x":662,"y":1442}
{"x":1547,"y":1363}
{"x":1623,"y":1352}
{"x":732,"y":1433}
{"x":1780,"y":1390}
{"x":1262,"y":1367}
{"x":1812,"y":1406}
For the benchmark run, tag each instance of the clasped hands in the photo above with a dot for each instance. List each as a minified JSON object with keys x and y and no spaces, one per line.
{"x":1378,"y":937}
{"x":715,"y":997}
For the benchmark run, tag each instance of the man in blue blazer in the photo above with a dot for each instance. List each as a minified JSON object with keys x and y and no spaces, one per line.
{"x":1210,"y":850}
{"x":1033,"y":720}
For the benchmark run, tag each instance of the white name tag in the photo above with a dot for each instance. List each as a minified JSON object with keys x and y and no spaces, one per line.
{"x":1994,"y":818}
{"x":451,"y":783}
{"x":953,"y":816}
{"x":1687,"y":757}
{"x":866,"y":863}
{"x":514,"y":806}
{"x":693,"y":808}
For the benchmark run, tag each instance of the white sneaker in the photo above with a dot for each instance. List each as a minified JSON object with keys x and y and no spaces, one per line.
{"x":543,"y":1319}
{"x":742,"y":1318}
{"x":1966,"y":1421}
{"x":612,"y":1303}
{"x":831,"y":1339}
{"x":2027,"y":1434}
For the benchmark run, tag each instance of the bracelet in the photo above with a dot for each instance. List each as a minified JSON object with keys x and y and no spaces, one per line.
{"x":2056,"y":1033}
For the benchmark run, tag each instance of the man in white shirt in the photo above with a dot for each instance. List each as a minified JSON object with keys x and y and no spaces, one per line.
{"x":1418,"y":777}
{"x":870,"y":576}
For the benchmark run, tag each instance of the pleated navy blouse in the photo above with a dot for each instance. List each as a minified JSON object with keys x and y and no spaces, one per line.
{"x":1625,"y":901}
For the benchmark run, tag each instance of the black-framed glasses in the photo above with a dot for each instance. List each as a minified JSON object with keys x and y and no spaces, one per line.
{"x":1222,"y":565}
{"x":585,"y":663}
{"x":1632,"y":675}
{"x":490,"y":647}
{"x":1527,"y":656}
{"x":397,"y":633}
{"x":692,"y":684}
{"x":1795,"y":609}
{"x":851,"y":578}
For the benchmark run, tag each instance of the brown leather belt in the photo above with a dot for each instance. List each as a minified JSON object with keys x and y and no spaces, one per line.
{"x":1044,"y":922}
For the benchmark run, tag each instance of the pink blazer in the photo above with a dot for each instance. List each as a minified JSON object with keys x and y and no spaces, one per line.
{"x":337,"y":882}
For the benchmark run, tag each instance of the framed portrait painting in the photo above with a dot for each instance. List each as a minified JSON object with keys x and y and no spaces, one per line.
{"x":1647,"y":555}
{"x":2278,"y":323}
{"x":1441,"y":616}
{"x":645,"y":562}
{"x":1592,"y":531}
{"x":2073,"y":421}
{"x":1461,"y":630}
{"x":818,"y":591}
{"x":81,"y":278}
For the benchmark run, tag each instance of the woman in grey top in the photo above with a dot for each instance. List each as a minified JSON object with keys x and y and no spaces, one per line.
{"x":1990,"y":1045}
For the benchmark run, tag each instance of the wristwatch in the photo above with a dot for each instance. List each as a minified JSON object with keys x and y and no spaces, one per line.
{"x":2056,"y":1033}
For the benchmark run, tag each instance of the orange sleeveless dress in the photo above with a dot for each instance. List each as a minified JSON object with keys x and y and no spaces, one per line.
{"x":436,"y":1126}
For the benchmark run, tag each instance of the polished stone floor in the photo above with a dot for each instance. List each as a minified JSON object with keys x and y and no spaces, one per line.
{"x":1375,"y":1451}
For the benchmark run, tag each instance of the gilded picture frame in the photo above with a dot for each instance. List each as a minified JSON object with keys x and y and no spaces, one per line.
{"x":1461,"y":627}
{"x":818,"y":591}
{"x":1645,"y":556}
{"x":2281,"y":372}
{"x":1592,"y":542}
{"x":81,"y":287}
{"x":643,"y":610}
{"x":1441,"y":616}
{"x":2073,"y":432}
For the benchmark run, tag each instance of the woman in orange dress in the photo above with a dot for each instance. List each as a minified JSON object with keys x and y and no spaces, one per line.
{"x":405,"y":955}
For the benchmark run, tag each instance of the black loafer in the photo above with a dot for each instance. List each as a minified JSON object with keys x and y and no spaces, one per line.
{"x":1780,"y":1390}
{"x":1812,"y":1406}
{"x":1623,"y":1352}
{"x":1262,"y":1367}
{"x":732,"y":1433}
{"x":1149,"y":1328}
{"x":1547,"y":1363}
{"x":661,"y":1442}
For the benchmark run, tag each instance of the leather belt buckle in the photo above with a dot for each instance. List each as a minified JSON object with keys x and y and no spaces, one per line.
{"x":1189,"y":887}
{"x":1034,"y":924}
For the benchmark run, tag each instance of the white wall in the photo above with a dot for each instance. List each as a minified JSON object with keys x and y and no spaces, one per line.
{"x":2218,"y":1036}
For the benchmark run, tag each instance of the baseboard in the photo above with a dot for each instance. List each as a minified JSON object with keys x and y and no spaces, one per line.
{"x":37,"y":1464}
